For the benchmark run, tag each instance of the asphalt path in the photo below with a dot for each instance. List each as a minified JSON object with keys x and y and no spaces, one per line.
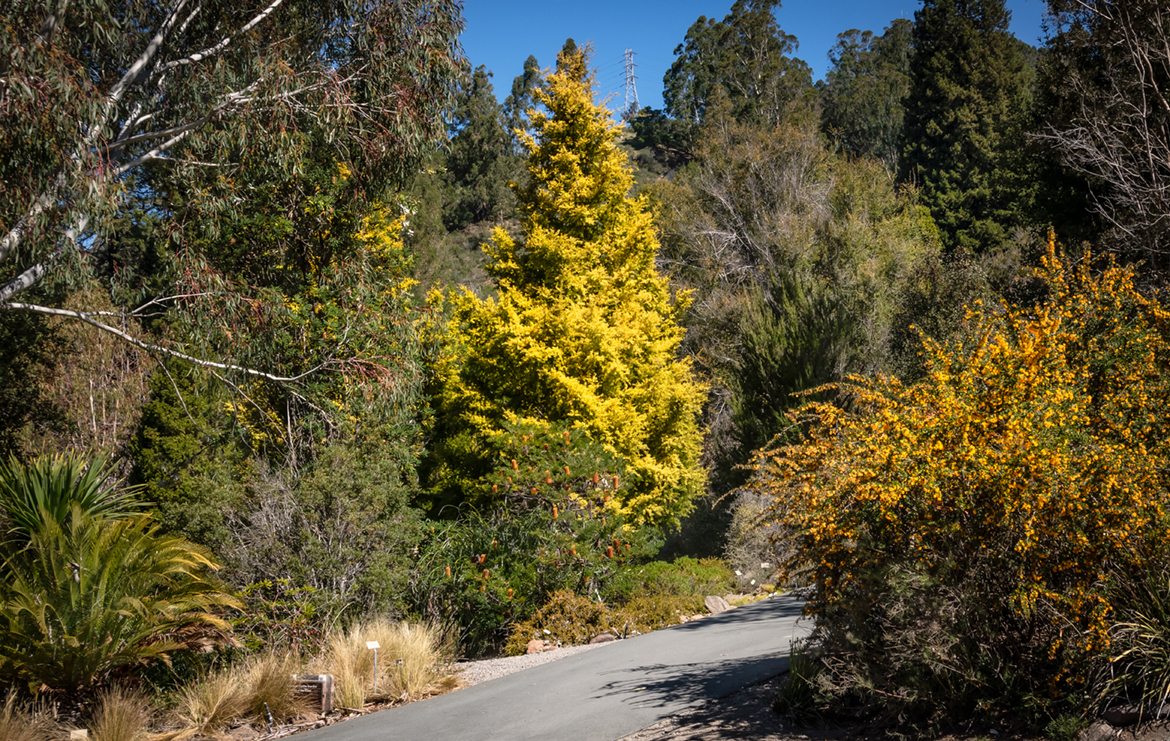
{"x":605,"y":694}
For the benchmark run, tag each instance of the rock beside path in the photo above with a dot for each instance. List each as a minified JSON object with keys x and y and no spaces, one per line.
{"x":716,"y":605}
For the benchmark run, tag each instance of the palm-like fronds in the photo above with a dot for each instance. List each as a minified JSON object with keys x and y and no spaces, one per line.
{"x":90,"y":596}
{"x":50,"y":486}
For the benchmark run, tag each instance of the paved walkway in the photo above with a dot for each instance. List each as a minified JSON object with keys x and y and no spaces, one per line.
{"x":601,"y":695}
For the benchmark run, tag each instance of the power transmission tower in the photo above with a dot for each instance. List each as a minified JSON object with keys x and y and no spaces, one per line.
{"x":631,"y":108}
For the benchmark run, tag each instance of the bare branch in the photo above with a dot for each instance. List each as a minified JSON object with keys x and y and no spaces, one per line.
{"x":199,"y":56}
{"x":88,"y":318}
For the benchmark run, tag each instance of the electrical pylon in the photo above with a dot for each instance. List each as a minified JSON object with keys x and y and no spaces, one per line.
{"x":631,"y":108}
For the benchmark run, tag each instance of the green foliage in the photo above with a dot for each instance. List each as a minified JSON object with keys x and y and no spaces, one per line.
{"x":796,"y":258}
{"x":478,"y":163}
{"x":653,"y":128}
{"x":969,"y":87}
{"x":566,"y":619}
{"x":486,"y":571}
{"x":745,"y":58}
{"x":584,"y":332}
{"x":1137,"y":671}
{"x":279,"y":616}
{"x":30,"y":348}
{"x":521,"y":101}
{"x":863,"y":93}
{"x":115,"y":107}
{"x":685,"y":577}
{"x":93,"y":597}
{"x":1065,"y":727}
{"x":54,"y":488}
{"x":649,"y":612}
{"x":799,"y":695}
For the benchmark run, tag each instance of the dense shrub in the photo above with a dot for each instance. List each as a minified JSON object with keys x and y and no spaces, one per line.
{"x":684,"y":577}
{"x":566,"y":619}
{"x":962,"y":532}
{"x":486,"y":571}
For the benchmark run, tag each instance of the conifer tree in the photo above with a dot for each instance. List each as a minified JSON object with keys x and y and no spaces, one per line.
{"x":968,"y":85}
{"x":584,"y":332}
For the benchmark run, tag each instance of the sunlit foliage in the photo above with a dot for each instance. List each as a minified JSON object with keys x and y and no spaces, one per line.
{"x":585,"y":330}
{"x":961,"y":531}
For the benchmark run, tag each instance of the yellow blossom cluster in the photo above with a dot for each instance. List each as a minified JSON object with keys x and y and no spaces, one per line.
{"x":1034,"y":450}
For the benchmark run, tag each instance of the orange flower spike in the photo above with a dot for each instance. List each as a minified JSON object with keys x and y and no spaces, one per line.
{"x":615,"y":482}
{"x":448,"y":572}
{"x":595,"y":478}
{"x":554,"y":512}
{"x":515,"y":466}
{"x":482,"y":557}
{"x":486,"y":573}
{"x":567,"y":471}
{"x":509,"y":594}
{"x":609,"y":552}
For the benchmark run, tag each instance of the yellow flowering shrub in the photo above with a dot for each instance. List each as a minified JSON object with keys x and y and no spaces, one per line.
{"x":961,"y":531}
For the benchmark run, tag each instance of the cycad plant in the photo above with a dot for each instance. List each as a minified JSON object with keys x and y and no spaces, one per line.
{"x":52,"y":485}
{"x":89,"y":597}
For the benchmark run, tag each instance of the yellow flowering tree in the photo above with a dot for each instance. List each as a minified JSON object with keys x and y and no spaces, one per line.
{"x":584,"y":332}
{"x":961,"y":533}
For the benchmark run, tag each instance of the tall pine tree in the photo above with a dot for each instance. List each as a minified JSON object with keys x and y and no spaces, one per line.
{"x":968,"y":86}
{"x":584,"y":332}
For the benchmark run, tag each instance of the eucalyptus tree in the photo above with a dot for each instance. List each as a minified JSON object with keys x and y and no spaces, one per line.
{"x":182,"y":111}
{"x":864,"y":92}
{"x":748,"y":57}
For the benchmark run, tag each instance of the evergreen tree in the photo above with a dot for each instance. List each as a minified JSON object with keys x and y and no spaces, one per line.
{"x":968,"y":87}
{"x":584,"y":332}
{"x":478,"y":165}
{"x":517,"y":104}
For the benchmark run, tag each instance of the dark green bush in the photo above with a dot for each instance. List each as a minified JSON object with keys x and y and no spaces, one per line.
{"x":488,"y":570}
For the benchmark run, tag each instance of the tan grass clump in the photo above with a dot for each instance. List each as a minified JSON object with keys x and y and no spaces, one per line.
{"x":211,"y":704}
{"x":122,"y":715}
{"x":417,"y":647}
{"x":270,"y":680}
{"x":19,"y":724}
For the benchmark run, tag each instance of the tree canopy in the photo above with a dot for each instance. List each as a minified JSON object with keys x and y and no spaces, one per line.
{"x":967,"y":87}
{"x":109,"y":109}
{"x":584,"y":331}
{"x":747,"y":56}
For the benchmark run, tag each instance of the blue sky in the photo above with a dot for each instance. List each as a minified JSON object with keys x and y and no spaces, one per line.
{"x":501,"y":34}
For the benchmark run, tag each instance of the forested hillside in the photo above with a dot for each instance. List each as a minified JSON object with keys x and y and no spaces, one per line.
{"x":309,"y":325}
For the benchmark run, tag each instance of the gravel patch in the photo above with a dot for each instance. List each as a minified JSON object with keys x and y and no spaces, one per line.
{"x":482,"y":671}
